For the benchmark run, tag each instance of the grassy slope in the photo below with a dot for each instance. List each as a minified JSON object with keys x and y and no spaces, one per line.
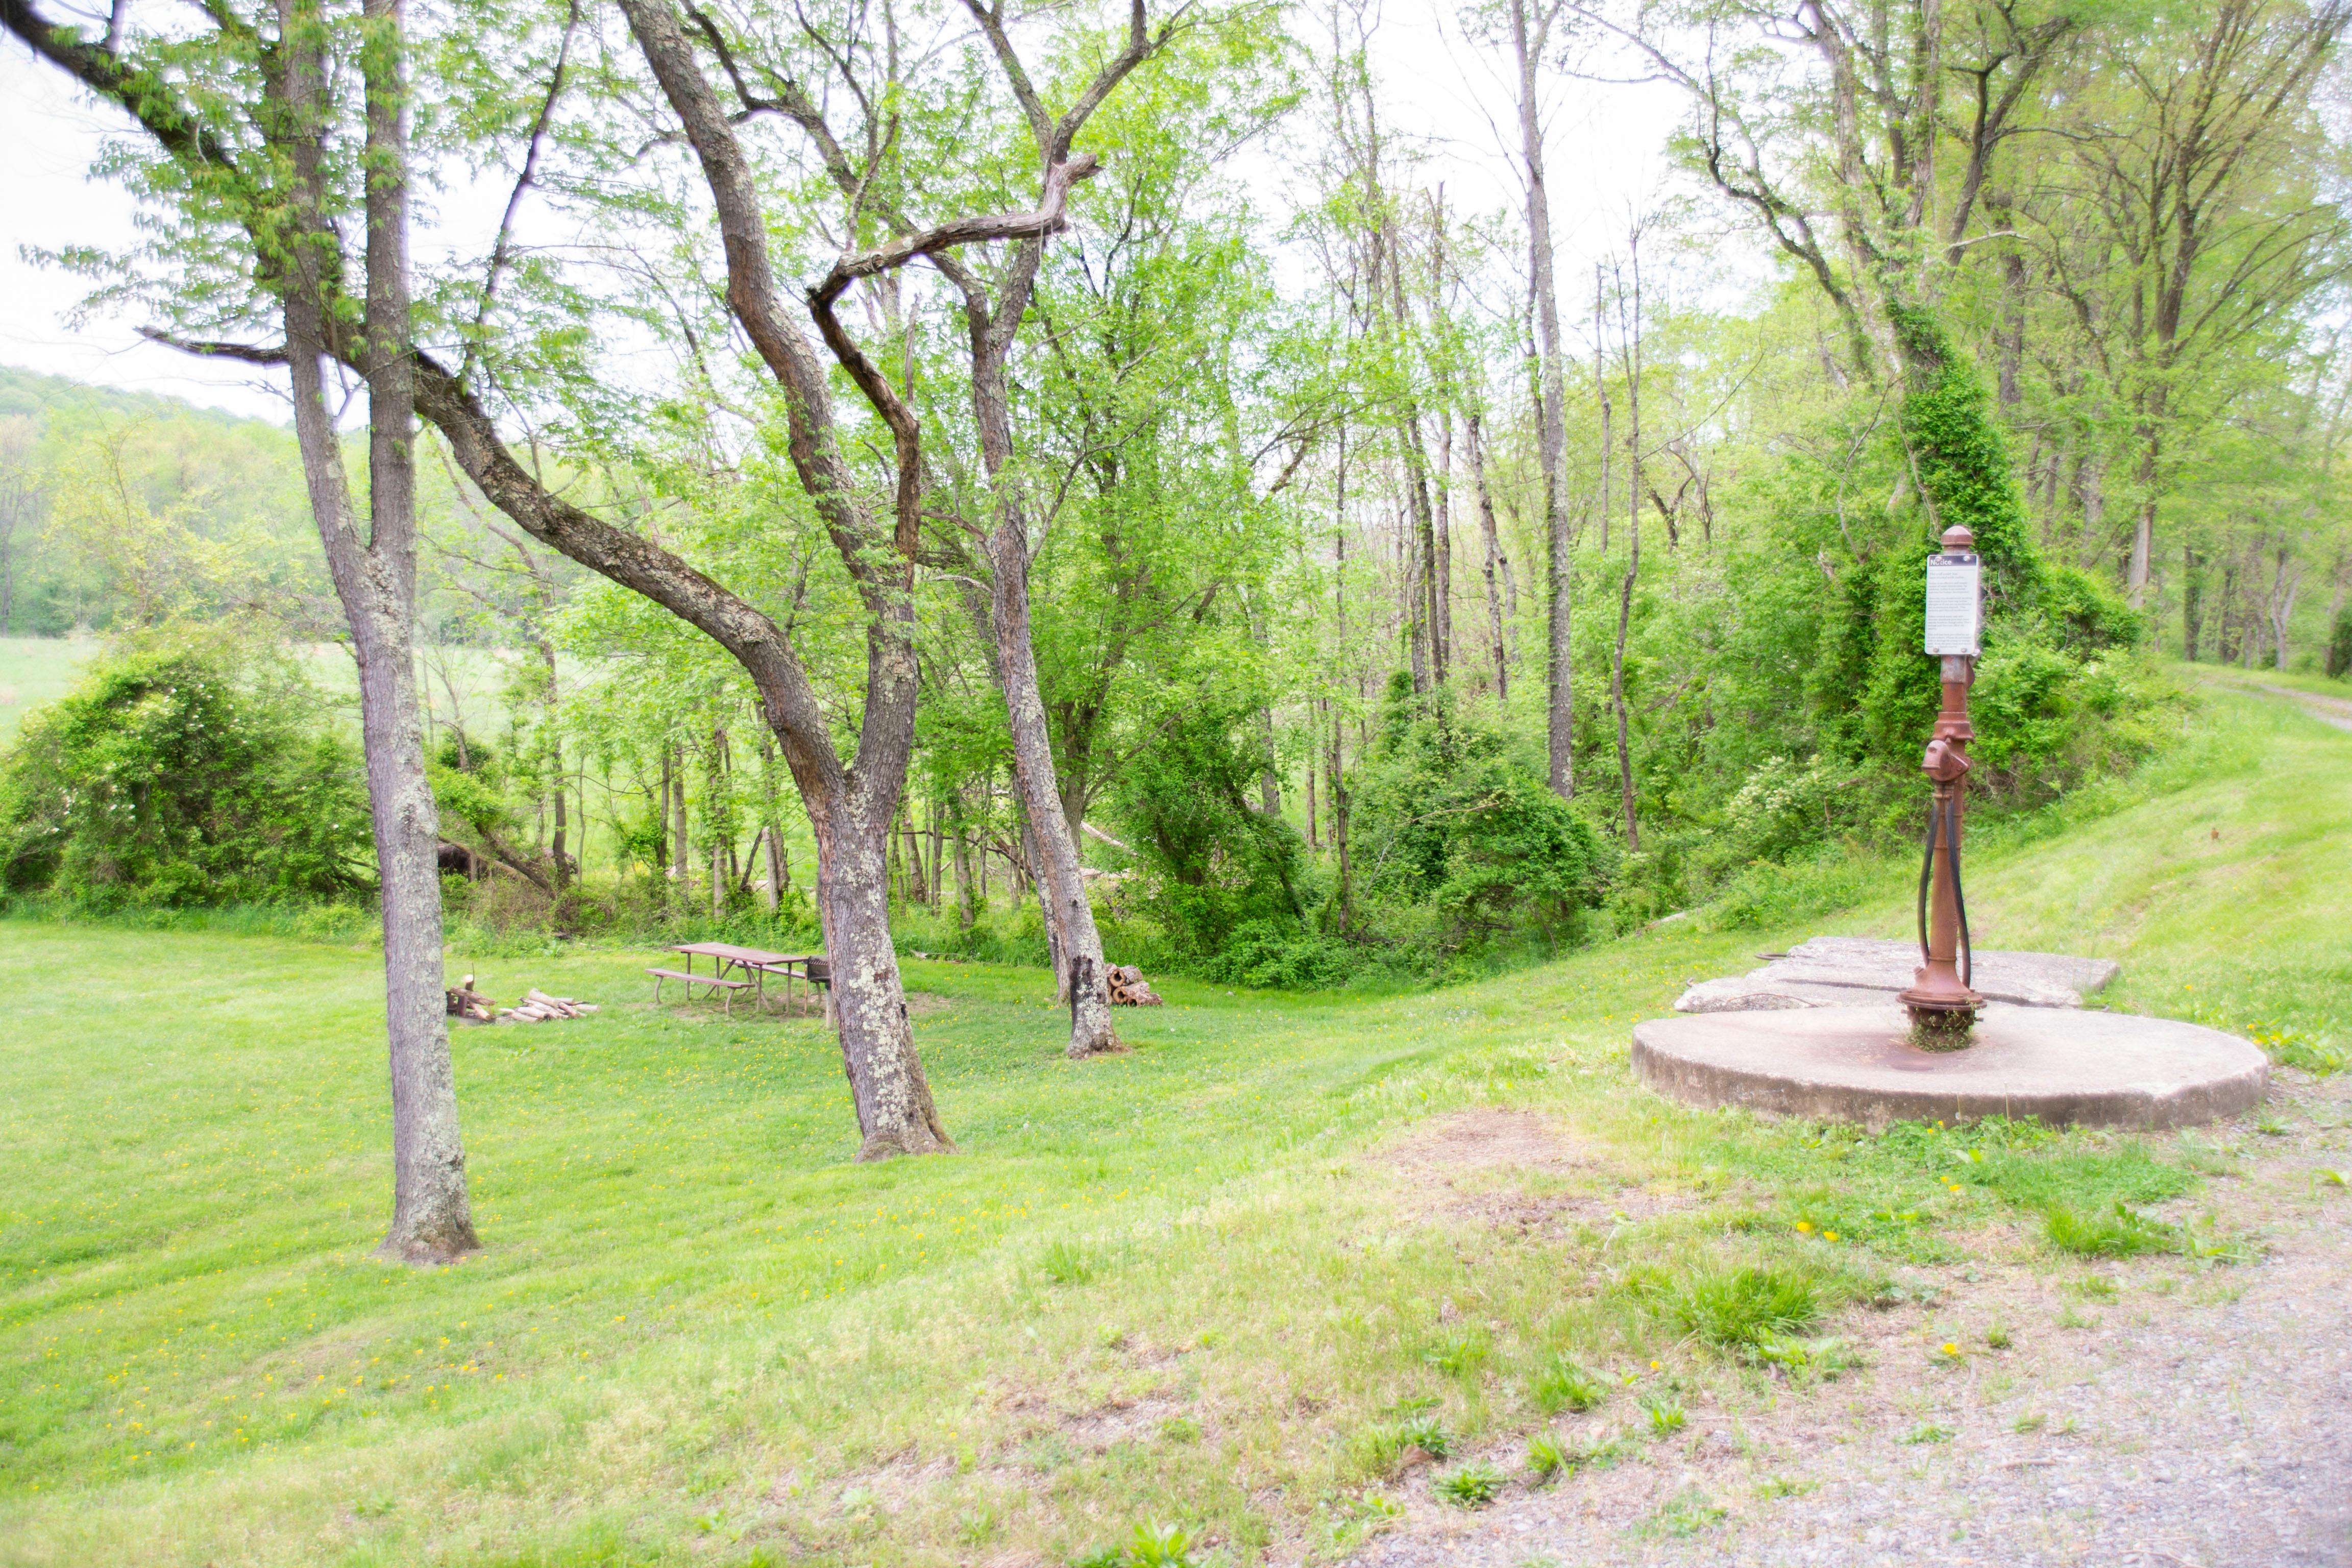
{"x":34,"y":671}
{"x":699,"y":1332}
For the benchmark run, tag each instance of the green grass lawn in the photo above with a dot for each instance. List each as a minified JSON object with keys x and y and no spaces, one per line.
{"x":1187,"y":1284}
{"x":34,"y":671}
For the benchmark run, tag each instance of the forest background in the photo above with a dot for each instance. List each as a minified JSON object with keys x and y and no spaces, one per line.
{"x":1399,"y":608}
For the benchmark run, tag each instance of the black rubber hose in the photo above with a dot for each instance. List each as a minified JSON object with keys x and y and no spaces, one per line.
{"x":1960,"y":900}
{"x":1927,"y":875}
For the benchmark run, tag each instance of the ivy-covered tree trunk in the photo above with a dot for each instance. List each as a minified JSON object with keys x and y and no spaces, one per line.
{"x":1959,"y":457}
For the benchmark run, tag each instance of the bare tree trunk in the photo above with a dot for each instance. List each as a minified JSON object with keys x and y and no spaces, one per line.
{"x":1631,"y":341}
{"x":2091,"y":495}
{"x":1429,"y":652}
{"x":661,"y":840}
{"x":679,"y":848}
{"x":1441,"y":592}
{"x":886,"y":1078}
{"x":967,"y":904}
{"x":939,"y":871}
{"x":2143,"y":522}
{"x":780,"y":869}
{"x":1313,"y":833}
{"x":432,"y":1218}
{"x":1528,"y":42}
{"x":2286,"y":585}
{"x":1081,"y":977}
{"x":1494,"y":552}
{"x":559,"y":845}
{"x":1269,"y":783}
{"x":2192,"y":599}
{"x":1338,"y":779}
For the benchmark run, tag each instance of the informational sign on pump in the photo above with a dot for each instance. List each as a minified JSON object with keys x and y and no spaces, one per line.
{"x":1955,"y":604}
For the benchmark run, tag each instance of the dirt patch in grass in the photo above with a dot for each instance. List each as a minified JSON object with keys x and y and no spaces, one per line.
{"x":1557,"y":1217}
{"x":1120,"y":1421}
{"x":1486,"y":1138}
{"x":1517,"y":1174}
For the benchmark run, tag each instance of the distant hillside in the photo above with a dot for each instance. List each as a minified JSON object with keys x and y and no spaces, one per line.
{"x":25,"y":392}
{"x":113,"y":500}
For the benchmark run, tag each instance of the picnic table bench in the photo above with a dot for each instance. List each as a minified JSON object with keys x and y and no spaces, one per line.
{"x":719,"y":985}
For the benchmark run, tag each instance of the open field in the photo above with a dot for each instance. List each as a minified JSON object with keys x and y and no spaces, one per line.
{"x":1215,"y":1282}
{"x":34,"y":671}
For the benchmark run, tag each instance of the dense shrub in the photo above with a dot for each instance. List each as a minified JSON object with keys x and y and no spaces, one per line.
{"x":1452,"y":817}
{"x":1784,"y":697}
{"x":1459,"y":849}
{"x":184,"y":771}
{"x":1214,"y":863}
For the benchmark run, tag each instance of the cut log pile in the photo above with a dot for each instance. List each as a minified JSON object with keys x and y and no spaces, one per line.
{"x":538,"y":1008}
{"x":1130,"y":989}
{"x":467,"y":1002}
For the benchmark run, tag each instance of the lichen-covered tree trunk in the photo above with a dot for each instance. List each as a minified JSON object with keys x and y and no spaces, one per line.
{"x":886,"y":1083}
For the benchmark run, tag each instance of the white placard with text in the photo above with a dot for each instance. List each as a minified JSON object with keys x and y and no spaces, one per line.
{"x":1954,"y":605}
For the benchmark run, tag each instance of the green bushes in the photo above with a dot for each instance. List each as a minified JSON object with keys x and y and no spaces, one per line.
{"x":185,"y":771}
{"x":1216,"y":865}
{"x":1452,"y":817}
{"x":1459,"y":851}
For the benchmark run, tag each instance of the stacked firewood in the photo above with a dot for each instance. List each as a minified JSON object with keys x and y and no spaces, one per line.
{"x":469,"y":1003}
{"x":1130,"y":989}
{"x":538,"y":1008}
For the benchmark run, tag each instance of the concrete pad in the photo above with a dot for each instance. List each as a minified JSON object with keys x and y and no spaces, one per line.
{"x":1847,"y":970}
{"x":2064,"y":1067}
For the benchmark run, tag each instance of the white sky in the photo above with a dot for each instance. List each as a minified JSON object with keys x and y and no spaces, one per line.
{"x":1604,"y":158}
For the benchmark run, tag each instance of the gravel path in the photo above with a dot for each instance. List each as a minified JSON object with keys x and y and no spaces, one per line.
{"x":2152,"y":1412}
{"x":2333,"y":711}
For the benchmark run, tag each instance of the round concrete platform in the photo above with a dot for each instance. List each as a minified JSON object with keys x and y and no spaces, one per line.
{"x":1857,"y":1064}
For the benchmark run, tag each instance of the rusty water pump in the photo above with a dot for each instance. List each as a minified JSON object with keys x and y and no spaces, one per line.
{"x":1943,"y":1007}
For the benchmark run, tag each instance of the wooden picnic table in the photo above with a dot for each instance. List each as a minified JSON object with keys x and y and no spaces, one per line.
{"x":757,"y":963}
